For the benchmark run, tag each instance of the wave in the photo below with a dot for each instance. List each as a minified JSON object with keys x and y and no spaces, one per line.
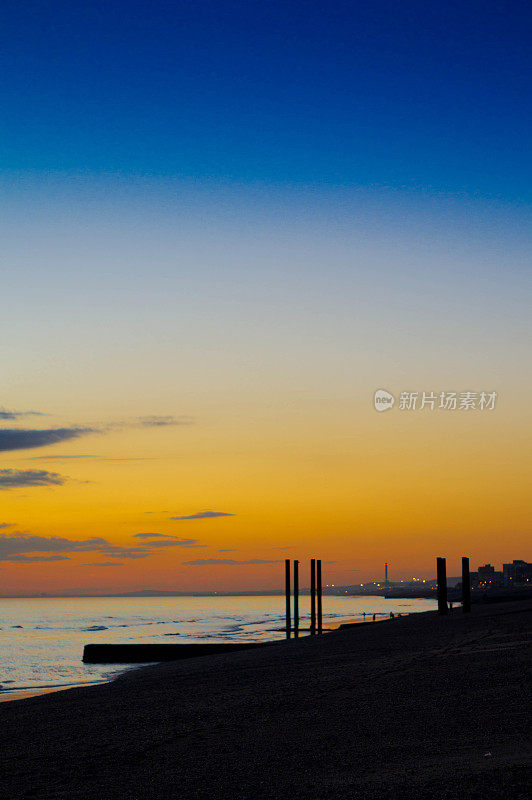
{"x":95,"y":628}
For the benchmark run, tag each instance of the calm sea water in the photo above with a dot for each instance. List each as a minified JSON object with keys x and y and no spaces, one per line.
{"x":41,"y":640}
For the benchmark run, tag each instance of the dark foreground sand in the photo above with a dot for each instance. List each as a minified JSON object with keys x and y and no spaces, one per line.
{"x":416,"y":708}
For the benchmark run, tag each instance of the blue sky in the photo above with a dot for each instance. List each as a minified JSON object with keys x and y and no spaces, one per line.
{"x":433,"y":97}
{"x":252,"y":215}
{"x":205,"y":168}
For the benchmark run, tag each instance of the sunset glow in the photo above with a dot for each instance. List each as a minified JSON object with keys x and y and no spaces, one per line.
{"x":211,"y":264}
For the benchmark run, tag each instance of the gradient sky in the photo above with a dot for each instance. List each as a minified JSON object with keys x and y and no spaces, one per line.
{"x":224,"y":225}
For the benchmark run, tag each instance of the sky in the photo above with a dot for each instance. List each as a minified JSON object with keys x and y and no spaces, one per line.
{"x":224,"y":227}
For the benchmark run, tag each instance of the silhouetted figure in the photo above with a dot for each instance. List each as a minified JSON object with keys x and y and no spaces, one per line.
{"x":451,"y":606}
{"x":374,"y":616}
{"x":364,"y":614}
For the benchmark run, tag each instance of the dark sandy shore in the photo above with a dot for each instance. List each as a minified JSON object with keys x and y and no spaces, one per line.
{"x":416,"y":708}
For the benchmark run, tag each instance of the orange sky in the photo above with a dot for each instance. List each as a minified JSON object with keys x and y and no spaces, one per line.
{"x":307,"y":477}
{"x":227,"y":362}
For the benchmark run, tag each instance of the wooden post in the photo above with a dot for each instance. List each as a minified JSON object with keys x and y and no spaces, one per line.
{"x":466,"y":586}
{"x":312,"y":596}
{"x":287,"y":593}
{"x":441,"y":573}
{"x":318,"y":586}
{"x":296,"y":599}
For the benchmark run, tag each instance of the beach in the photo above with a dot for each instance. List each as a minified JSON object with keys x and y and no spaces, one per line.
{"x":416,"y":707}
{"x":42,"y":639}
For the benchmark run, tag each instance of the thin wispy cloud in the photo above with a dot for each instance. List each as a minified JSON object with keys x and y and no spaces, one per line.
{"x":93,"y":457}
{"x":164,"y":540}
{"x":8,"y":414}
{"x":175,"y":543}
{"x":7,"y":525}
{"x":57,"y":457}
{"x":31,"y":559}
{"x":125,"y":552}
{"x":201,"y":562}
{"x":104,"y":564}
{"x":15,"y":478}
{"x":227,"y":549}
{"x":155,"y":421}
{"x":27,"y":438}
{"x":204,"y":515}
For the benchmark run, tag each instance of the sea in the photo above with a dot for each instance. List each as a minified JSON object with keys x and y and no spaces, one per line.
{"x":42,"y":639}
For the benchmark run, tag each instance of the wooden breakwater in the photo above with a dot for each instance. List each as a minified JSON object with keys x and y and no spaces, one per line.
{"x":149,"y":653}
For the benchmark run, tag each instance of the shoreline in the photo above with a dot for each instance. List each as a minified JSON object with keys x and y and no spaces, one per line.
{"x":425,"y":707}
{"x":9,"y":695}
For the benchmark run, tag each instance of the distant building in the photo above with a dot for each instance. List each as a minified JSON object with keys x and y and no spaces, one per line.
{"x":485,"y":577}
{"x":517,"y":573}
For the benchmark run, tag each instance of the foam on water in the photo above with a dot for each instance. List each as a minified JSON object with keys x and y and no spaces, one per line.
{"x":42,"y":639}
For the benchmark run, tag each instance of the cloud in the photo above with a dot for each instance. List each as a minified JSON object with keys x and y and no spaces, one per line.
{"x":227,"y":549}
{"x":283,"y":547}
{"x":19,"y":544}
{"x":205,"y":515}
{"x":199,"y":562}
{"x":89,"y":456}
{"x":104,"y":564}
{"x":29,"y":559}
{"x":6,"y":414}
{"x":7,"y":524}
{"x":167,"y":541}
{"x":13,"y":478}
{"x":155,"y":421}
{"x":57,"y":458}
{"x":124,"y":552}
{"x":26,"y":438}
{"x":176,"y":543}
